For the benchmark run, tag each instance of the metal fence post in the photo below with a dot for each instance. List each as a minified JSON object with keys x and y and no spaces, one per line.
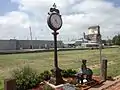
{"x":104,"y":69}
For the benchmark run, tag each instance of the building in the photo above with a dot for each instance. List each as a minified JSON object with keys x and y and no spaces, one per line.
{"x":8,"y":45}
{"x":90,"y":45}
{"x":75,"y":43}
{"x":69,"y":44}
{"x":80,"y":41}
{"x":14,"y":44}
{"x":93,"y":34}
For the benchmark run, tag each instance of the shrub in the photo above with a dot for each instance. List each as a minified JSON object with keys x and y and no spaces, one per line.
{"x":26,"y":78}
{"x":45,"y":75}
{"x":68,"y":73}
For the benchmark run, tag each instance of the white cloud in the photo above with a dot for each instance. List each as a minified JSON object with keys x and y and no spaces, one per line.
{"x":77,"y":16}
{"x":14,"y":18}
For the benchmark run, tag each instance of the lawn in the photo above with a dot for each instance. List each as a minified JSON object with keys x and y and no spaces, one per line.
{"x":67,"y":59}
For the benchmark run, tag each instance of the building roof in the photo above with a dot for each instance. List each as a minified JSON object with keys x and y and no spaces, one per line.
{"x":91,"y":43}
{"x":82,"y":40}
{"x":69,"y":42}
{"x":94,"y":26}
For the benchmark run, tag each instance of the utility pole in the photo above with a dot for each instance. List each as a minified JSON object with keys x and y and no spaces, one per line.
{"x":103,"y":63}
{"x":31,"y":44}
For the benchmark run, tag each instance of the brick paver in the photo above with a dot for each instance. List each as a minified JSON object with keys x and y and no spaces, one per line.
{"x":115,"y":87}
{"x":108,"y":85}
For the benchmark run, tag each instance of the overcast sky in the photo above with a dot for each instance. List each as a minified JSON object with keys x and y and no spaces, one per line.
{"x":17,"y":15}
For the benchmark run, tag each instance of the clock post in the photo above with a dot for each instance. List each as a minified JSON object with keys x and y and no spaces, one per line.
{"x":54,"y":21}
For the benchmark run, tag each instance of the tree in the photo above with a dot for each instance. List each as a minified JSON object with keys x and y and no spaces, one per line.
{"x":104,"y":42}
{"x":116,"y":39}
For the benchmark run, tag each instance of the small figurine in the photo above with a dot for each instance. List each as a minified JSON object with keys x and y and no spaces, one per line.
{"x":85,"y":73}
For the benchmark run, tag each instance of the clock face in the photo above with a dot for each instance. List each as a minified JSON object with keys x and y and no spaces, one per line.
{"x":55,"y":21}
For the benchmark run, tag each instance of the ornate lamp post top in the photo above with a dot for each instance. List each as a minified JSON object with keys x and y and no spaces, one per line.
{"x":54,"y":5}
{"x":54,"y":9}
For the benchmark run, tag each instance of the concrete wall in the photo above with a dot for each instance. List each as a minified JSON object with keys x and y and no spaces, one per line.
{"x":7,"y":44}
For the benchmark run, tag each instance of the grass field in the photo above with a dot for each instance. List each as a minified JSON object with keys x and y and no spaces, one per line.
{"x":67,"y":59}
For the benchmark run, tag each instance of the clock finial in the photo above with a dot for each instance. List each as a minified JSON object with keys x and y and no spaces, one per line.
{"x":54,"y":5}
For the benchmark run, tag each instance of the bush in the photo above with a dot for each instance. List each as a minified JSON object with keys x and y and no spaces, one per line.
{"x":45,"y":75}
{"x":26,"y":78}
{"x":68,"y":73}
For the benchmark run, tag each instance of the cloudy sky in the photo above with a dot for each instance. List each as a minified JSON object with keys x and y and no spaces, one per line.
{"x":17,"y":15}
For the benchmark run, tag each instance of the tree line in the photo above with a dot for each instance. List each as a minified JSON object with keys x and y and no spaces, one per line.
{"x":116,"y":40}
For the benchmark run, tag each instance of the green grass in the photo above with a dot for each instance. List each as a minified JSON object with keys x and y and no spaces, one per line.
{"x":67,"y":59}
{"x":1,"y":85}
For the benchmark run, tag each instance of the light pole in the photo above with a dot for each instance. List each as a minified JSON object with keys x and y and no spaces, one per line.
{"x":54,"y":21}
{"x":31,"y":44}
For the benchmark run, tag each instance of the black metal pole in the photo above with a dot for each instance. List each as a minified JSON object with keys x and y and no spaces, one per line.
{"x":57,"y":71}
{"x":55,"y":50}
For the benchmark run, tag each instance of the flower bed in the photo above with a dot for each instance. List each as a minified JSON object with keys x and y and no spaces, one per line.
{"x":26,"y":78}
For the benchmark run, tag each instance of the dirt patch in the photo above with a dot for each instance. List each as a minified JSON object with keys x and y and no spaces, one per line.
{"x":98,"y":65}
